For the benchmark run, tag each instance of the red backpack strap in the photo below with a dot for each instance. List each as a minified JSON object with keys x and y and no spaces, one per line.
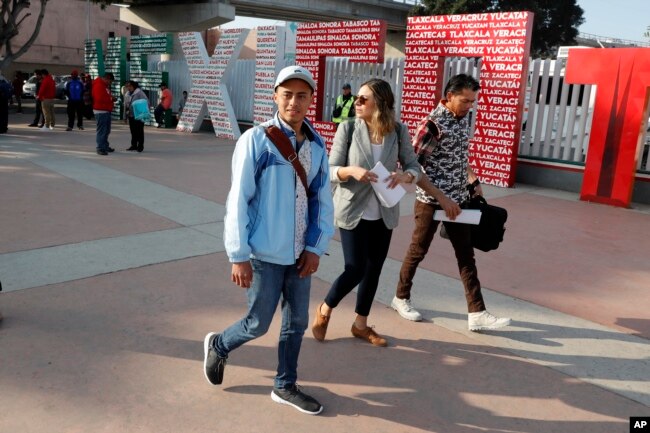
{"x":285,"y":147}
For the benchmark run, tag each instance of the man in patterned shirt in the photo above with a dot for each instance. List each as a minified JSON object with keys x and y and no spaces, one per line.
{"x":442,"y":144}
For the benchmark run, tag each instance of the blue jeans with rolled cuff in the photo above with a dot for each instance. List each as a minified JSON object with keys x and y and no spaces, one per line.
{"x":271,"y":284}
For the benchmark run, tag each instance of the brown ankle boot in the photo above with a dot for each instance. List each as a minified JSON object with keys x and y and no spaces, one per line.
{"x":319,"y":328}
{"x":370,"y":336}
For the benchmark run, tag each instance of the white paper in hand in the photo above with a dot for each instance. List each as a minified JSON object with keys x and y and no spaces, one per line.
{"x":387,"y":197}
{"x":467,"y":216}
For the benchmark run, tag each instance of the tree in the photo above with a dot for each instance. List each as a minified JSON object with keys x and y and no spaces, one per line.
{"x":556,"y":22}
{"x":12,"y":16}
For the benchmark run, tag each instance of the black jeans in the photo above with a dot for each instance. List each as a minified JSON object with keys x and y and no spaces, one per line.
{"x":460,"y":237}
{"x":75,"y":108}
{"x":38,"y":116}
{"x":4,"y":114}
{"x":137,"y":133}
{"x":365,"y":248}
{"x":158,"y":113}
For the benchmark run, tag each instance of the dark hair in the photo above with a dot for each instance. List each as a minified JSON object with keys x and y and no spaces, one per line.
{"x":44,"y":72}
{"x":109,"y":76}
{"x":133,"y":83}
{"x":384,"y":118}
{"x":460,"y":82}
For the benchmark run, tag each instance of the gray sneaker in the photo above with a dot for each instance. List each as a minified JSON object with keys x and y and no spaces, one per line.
{"x":405,"y":309}
{"x":294,"y":397}
{"x":213,"y":364}
{"x":485,"y":320}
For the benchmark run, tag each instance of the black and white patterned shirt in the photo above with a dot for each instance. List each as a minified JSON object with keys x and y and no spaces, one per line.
{"x":447,"y":138}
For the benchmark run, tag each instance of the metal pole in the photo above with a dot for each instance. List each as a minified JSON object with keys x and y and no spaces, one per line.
{"x":87,"y":19}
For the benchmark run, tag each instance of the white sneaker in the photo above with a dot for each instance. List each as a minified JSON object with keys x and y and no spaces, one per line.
{"x":51,"y":128}
{"x":404,"y":308}
{"x":485,"y":320}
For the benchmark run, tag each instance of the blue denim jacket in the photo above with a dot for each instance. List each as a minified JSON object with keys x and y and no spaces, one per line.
{"x":260,"y":210}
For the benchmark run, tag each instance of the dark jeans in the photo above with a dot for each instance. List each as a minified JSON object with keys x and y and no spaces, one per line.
{"x":39,"y":118}
{"x":364,"y":250}
{"x":271,"y":284}
{"x":75,"y":108}
{"x":103,"y":130}
{"x":4,"y":114}
{"x":137,"y":133}
{"x":460,"y":237}
{"x":158,"y":114}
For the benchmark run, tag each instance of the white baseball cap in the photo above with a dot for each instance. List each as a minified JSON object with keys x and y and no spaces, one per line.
{"x":295,"y":72}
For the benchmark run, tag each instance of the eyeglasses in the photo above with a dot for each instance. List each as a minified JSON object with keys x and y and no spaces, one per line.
{"x":361,"y":100}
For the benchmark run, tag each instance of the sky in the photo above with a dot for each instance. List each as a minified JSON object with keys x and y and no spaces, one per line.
{"x":628,"y":19}
{"x":621,"y":19}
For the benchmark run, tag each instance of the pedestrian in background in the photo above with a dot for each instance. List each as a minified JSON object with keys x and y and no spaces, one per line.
{"x":39,"y":118}
{"x":5,"y":97}
{"x":102,"y":107}
{"x":344,"y":106}
{"x":164,"y":104}
{"x":47,"y":94}
{"x":86,"y":79}
{"x":136,"y":126}
{"x":74,"y":90}
{"x":17,"y":84}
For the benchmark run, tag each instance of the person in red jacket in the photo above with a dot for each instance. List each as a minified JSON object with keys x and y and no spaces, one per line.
{"x":46,"y":95}
{"x":165,"y":104}
{"x":102,"y":107}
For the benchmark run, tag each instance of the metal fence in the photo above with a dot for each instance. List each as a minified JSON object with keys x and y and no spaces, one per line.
{"x":557,"y":116}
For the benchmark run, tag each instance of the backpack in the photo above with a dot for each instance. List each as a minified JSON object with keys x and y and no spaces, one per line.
{"x":75,"y":90}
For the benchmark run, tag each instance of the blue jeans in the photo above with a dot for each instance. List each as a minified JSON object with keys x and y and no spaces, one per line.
{"x":270,"y":283}
{"x":103,"y":129}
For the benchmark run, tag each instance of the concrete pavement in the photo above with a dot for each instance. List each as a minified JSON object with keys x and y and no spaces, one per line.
{"x":113,"y":271}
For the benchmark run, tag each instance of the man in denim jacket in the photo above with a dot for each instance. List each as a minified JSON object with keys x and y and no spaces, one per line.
{"x":275,"y":232}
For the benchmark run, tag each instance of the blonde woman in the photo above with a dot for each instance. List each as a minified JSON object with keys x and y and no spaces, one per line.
{"x":365,"y":225}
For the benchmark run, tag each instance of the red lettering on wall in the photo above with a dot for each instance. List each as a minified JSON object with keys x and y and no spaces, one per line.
{"x":503,"y":42}
{"x":360,"y":41}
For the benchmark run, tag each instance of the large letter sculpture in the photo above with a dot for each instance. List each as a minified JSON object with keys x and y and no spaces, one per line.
{"x":623,"y":77}
{"x":268,"y":58}
{"x":503,"y":42}
{"x":141,"y":47}
{"x":115,"y":62}
{"x":94,"y":57}
{"x":209,"y":92}
{"x":360,"y":41}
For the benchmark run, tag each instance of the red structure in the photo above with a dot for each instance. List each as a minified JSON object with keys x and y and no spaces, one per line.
{"x":361,"y":41}
{"x":623,"y":77}
{"x":502,"y":40}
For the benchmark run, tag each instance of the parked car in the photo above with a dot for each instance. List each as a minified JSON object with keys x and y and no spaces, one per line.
{"x":61,"y":81}
{"x":29,"y":88}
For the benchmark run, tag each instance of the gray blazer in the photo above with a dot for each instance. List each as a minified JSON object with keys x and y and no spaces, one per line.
{"x":351,"y":196}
